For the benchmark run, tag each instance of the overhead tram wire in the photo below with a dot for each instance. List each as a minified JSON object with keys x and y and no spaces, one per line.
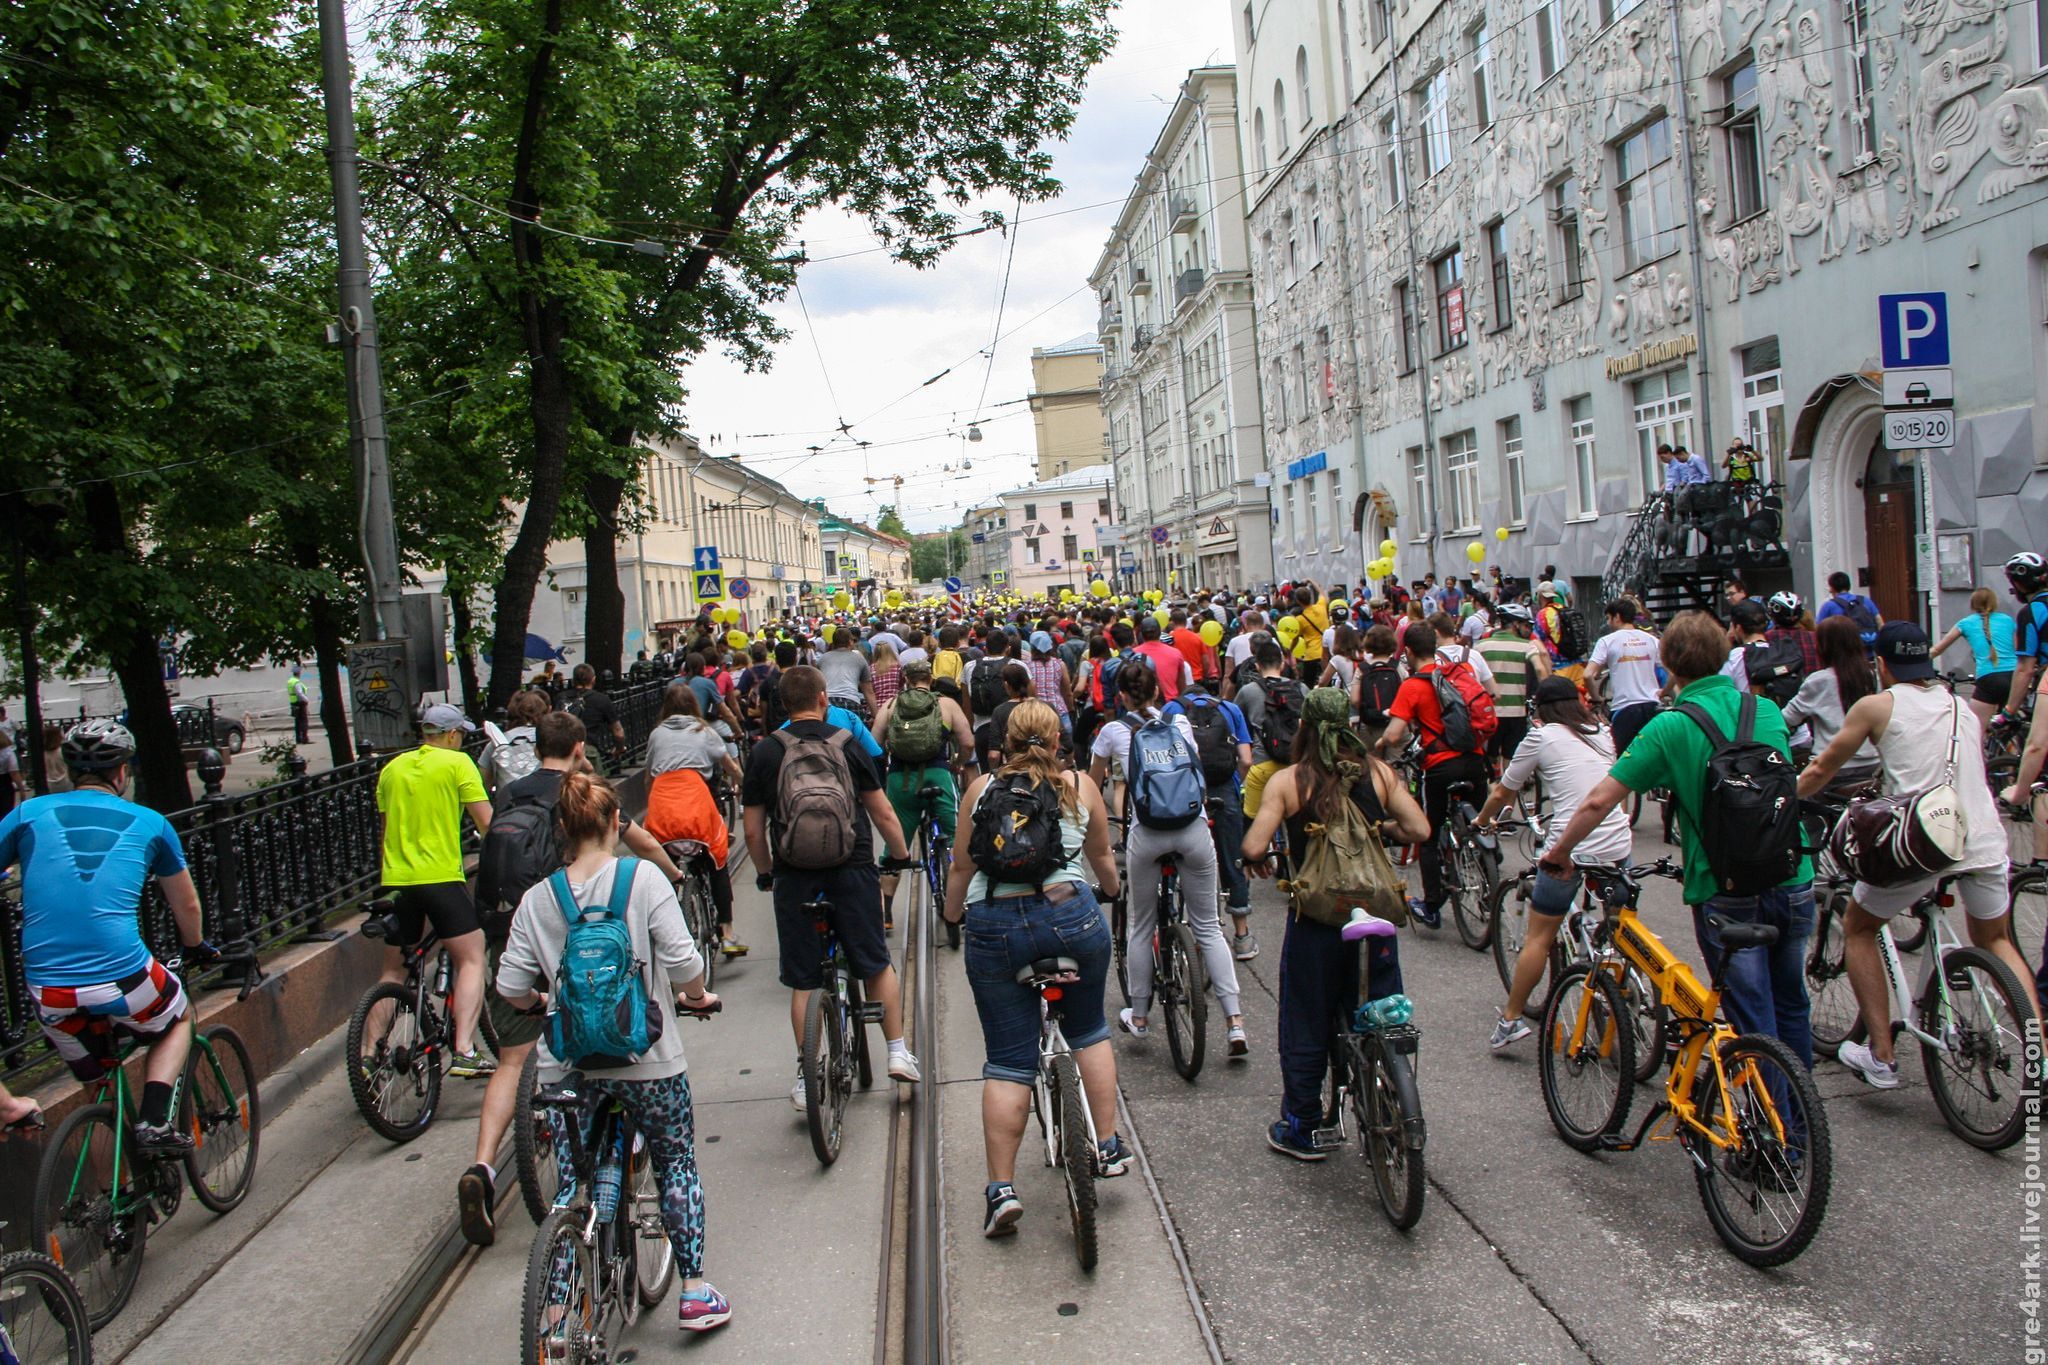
{"x":1002,"y":301}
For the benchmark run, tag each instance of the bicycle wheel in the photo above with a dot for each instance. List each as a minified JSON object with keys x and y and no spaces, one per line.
{"x":1119,"y":947}
{"x":533,"y":1143}
{"x":1649,"y":1018}
{"x":1588,"y":1059}
{"x":1183,"y":989}
{"x":1388,"y":1111}
{"x":1836,"y":1017}
{"x":1670,"y":818}
{"x":1909,"y":932}
{"x":220,"y":1109}
{"x":393,"y":1074}
{"x":654,"y":1256}
{"x":1507,"y":915}
{"x":87,"y":1217}
{"x":2029,"y":902}
{"x":936,"y":865}
{"x":857,"y":1035}
{"x":42,"y":1317}
{"x":1077,"y":1156}
{"x":1980,"y":1080}
{"x":702,"y":919}
{"x":825,"y":1068}
{"x":1766,"y":1193}
{"x":562,"y":1314}
{"x":1478,"y":875}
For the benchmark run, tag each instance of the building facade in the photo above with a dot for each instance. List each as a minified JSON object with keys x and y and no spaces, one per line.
{"x":1053,"y":532}
{"x":1066,"y":407}
{"x":1570,"y":231}
{"x":988,"y":546}
{"x":860,"y":558}
{"x":1181,"y":377}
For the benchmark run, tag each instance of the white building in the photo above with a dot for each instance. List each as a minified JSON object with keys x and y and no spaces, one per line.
{"x":1053,"y":532}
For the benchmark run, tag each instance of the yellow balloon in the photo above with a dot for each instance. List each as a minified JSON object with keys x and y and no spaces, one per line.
{"x":1163,"y":619}
{"x":737,"y":639}
{"x":1500,"y":533}
{"x":1288,"y":628}
{"x":893,"y":599}
{"x":1475,"y":552}
{"x":1212,"y":634}
{"x":1388,"y":548}
{"x":842,"y":600}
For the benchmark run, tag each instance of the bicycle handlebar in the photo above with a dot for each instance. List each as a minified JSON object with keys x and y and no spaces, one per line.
{"x":705,"y":1011}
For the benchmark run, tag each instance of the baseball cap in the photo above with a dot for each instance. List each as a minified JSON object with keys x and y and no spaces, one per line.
{"x":1546,"y":589}
{"x":442,"y":716}
{"x":1041,"y":643}
{"x":1903,"y":647}
{"x":1556,"y":689}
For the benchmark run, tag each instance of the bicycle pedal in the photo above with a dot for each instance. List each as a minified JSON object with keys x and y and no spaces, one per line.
{"x":1328,"y":1137}
{"x":870,"y":1012}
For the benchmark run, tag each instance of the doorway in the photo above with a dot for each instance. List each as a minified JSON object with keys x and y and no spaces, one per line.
{"x":1891,"y":525}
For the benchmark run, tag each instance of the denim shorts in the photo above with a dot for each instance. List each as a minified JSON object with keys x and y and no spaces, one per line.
{"x":1553,"y":895}
{"x":1004,"y":936}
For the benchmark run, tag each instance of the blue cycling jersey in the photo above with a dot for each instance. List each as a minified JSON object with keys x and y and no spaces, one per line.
{"x":846,"y":720}
{"x":2033,"y":628}
{"x":84,"y":857}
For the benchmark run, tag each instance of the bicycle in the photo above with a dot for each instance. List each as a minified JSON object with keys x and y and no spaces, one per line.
{"x":1120,"y":910}
{"x":42,"y":1318}
{"x":97,"y":1192}
{"x":1471,"y":864}
{"x":835,"y":1046}
{"x":700,"y":911}
{"x":534,"y":1152}
{"x":1742,"y":1106}
{"x":1061,"y":1103}
{"x":1180,"y":982}
{"x":1372,"y":1073}
{"x":395,"y":1060}
{"x":935,"y":853}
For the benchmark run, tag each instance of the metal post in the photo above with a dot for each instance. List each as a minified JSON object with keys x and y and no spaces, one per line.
{"x":1419,"y":335}
{"x":1703,"y":405}
{"x":384,"y":617}
{"x":31,"y":667}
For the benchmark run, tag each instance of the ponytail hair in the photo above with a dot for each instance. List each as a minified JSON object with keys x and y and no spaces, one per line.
{"x":588,"y":811}
{"x":1031,"y":744}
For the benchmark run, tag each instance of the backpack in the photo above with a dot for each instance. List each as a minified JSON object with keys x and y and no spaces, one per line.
{"x":773,"y":713}
{"x":602,"y":1015}
{"x":1573,"y":639}
{"x":1343,"y":865}
{"x":814,"y":801}
{"x":519,"y":851}
{"x":1775,"y":668}
{"x":1749,"y":807}
{"x":1377,"y":684}
{"x":985,"y":686}
{"x":1102,"y":686}
{"x":1245,"y":674}
{"x":517,"y":757}
{"x":1214,"y":743}
{"x":1284,"y":697}
{"x":1857,"y":611}
{"x":917,"y":727}
{"x":1017,"y":837}
{"x":1468,"y":715}
{"x":1167,"y":786}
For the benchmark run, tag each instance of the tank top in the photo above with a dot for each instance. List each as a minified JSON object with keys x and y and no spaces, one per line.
{"x":1363,"y":795}
{"x":1915,"y":753}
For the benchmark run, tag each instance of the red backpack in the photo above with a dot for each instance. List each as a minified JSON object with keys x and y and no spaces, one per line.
{"x":1469,"y":718}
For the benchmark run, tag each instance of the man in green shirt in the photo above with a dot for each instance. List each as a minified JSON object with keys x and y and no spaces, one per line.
{"x":1763,"y":989}
{"x":297,"y":697}
{"x":423,"y":796}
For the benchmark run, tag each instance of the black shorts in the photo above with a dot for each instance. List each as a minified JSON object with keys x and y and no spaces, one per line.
{"x":1508,"y":734}
{"x":1629,"y":722}
{"x":1995,"y":690}
{"x":447,"y":906}
{"x":855,"y":892}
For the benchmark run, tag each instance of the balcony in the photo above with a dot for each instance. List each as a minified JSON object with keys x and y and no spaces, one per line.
{"x":1111,"y":322}
{"x":1187,"y":284}
{"x":1141,"y":337}
{"x":1181,"y":213}
{"x":1141,"y":280}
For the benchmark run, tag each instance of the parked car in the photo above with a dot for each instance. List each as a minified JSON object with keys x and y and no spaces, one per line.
{"x":226,"y":734}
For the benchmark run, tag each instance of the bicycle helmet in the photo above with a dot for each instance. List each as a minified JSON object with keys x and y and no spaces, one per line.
{"x":2027,"y":572}
{"x":1786,"y":608}
{"x":1515,"y":611}
{"x":98,"y":746}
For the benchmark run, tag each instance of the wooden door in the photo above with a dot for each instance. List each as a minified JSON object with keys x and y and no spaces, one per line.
{"x":1888,"y":526}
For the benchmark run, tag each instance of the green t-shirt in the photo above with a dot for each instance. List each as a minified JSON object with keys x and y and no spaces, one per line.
{"x":422,"y":794}
{"x":1672,"y":752}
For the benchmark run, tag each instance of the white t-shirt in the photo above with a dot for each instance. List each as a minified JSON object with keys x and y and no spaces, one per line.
{"x":1571,"y":765}
{"x":1465,"y":654}
{"x":1737,"y":669}
{"x":1239,"y":649}
{"x":1113,"y":741}
{"x":913,"y":654}
{"x":1475,"y":627}
{"x":1629,"y":658}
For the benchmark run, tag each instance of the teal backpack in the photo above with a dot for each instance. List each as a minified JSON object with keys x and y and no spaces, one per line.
{"x":602,"y":1016}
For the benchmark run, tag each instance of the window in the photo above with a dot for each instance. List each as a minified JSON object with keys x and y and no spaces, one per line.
{"x":1280,"y":118}
{"x":1277,"y":386}
{"x":1610,"y":10}
{"x":1763,"y":405}
{"x":1571,"y":246}
{"x":1861,"y":113}
{"x":1314,"y":518}
{"x":1646,"y":188}
{"x":1102,"y":509}
{"x":1435,"y":119}
{"x":1418,"y":475}
{"x":1316,"y":244}
{"x":1301,"y":373}
{"x":1482,"y":74}
{"x":1404,"y":322}
{"x":1513,"y":480}
{"x":1290,"y":512}
{"x":1742,"y":129}
{"x":1579,"y":413}
{"x":1663,"y":407}
{"x":1293,"y":249}
{"x":2038,"y":57}
{"x":1326,"y":378}
{"x":1070,"y":548}
{"x":1031,"y":549}
{"x":1550,"y":53}
{"x":1031,"y":511}
{"x":1461,"y":469}
{"x":1376,"y":15}
{"x":1392,"y":186}
{"x":1449,"y":270}
{"x":1497,"y":263}
{"x":1259,"y":140}
{"x":1301,"y":83}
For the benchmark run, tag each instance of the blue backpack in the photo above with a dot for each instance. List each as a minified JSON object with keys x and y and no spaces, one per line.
{"x":1165,"y":773}
{"x":602,"y":1016}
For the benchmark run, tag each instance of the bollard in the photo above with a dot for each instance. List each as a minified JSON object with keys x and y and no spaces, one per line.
{"x":238,"y":954}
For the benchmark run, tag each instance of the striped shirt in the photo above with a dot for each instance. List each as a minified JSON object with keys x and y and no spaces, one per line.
{"x":1510,"y":658}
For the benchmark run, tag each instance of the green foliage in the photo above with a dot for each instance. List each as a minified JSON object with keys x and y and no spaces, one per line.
{"x":889,"y":523}
{"x":928,"y":555}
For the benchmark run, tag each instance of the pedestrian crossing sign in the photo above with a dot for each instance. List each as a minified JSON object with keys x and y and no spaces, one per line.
{"x":710,"y":587}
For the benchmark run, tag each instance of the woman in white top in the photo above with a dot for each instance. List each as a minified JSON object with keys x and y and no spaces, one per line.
{"x":1844,"y":678}
{"x":1571,"y":752}
{"x":1194,"y":852}
{"x":1924,"y":735}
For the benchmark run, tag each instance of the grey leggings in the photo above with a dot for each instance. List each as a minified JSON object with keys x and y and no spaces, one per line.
{"x":1198,"y":892}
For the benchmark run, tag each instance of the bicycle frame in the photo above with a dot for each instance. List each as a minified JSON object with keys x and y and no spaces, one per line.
{"x":1932,"y":979}
{"x":1052,"y":1042}
{"x":122,"y":1198}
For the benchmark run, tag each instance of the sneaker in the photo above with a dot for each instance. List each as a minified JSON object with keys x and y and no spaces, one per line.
{"x":1004,"y":1209}
{"x":1429,"y":919}
{"x":903,"y":1067}
{"x":732,"y":947}
{"x":1245,"y":946}
{"x":475,"y":1062}
{"x":1127,"y":1021}
{"x":1860,"y":1059}
{"x":1506,"y":1030}
{"x":163,"y":1139}
{"x":1288,"y":1139}
{"x":1112,"y":1157}
{"x":701,"y":1309}
{"x":1239,"y":1045}
{"x":796,"y":1095}
{"x":475,"y":1194}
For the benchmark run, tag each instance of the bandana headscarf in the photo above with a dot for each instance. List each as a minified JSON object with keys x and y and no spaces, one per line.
{"x":1329,"y":710}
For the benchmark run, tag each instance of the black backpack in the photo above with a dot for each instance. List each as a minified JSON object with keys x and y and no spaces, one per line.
{"x":1377,"y":684}
{"x":1573,"y":639}
{"x":520,"y":850}
{"x":1284,"y":697}
{"x":1215,"y":746}
{"x":1749,"y":807}
{"x":1244,"y":675}
{"x":985,"y":689}
{"x":1775,"y":669}
{"x":1854,"y":609}
{"x":1017,"y":837}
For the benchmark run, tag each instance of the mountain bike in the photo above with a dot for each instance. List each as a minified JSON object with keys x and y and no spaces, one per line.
{"x":1061,"y":1102}
{"x":42,"y":1318}
{"x":1742,"y":1107}
{"x":97,"y":1192}
{"x":935,"y":853}
{"x":700,"y":910}
{"x":1120,"y":910}
{"x":534,"y":1152}
{"x":400,"y":1035}
{"x":835,"y":1045}
{"x":1470,"y":859}
{"x":1180,"y":982}
{"x":1372,"y":1081}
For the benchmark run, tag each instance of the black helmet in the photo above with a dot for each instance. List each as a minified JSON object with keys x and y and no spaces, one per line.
{"x":2027,"y":572}
{"x":96,"y":746}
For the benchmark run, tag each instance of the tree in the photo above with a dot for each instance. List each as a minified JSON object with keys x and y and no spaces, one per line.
{"x":929,"y":555}
{"x":890,"y":524}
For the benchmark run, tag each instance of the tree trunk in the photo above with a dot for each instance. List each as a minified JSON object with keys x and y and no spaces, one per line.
{"x":130,"y":647}
{"x":465,"y":648}
{"x":329,"y":648}
{"x":604,"y":621}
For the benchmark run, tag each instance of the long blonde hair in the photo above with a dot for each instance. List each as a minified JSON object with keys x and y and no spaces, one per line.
{"x":885,"y":656}
{"x":1031,"y":745}
{"x":1984,"y":601}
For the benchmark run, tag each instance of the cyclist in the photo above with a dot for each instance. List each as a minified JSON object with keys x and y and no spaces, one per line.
{"x":517,"y":756}
{"x":915,"y":727}
{"x":1989,"y":633}
{"x":850,"y":886}
{"x":1415,"y":711}
{"x":1271,"y":747}
{"x":1844,"y":600}
{"x":18,"y":1111}
{"x":1319,"y":971}
{"x":1570,"y":752}
{"x":422,"y":795}
{"x":654,"y":1087}
{"x":85,"y":856}
{"x":685,"y":758}
{"x":1629,"y":655}
{"x":2027,"y":573}
{"x":1788,"y":623}
{"x":1011,"y":926}
{"x":594,"y":708}
{"x":1912,"y":723}
{"x":1220,"y":730}
{"x":1828,"y":695}
{"x":849,"y":677}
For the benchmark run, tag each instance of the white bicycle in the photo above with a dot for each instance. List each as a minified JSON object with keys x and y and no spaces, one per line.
{"x":1061,"y":1102}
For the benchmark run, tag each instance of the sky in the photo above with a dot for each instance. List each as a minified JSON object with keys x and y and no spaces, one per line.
{"x":877,"y":330}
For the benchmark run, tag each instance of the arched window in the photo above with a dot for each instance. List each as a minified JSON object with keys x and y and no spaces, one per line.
{"x":1259,"y":138}
{"x":1280,"y":117}
{"x":1301,"y":82}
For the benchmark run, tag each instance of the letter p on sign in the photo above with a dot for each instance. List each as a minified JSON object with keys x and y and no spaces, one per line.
{"x":1914,"y":328}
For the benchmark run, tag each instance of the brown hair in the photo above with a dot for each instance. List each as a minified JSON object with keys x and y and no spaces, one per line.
{"x":528,"y":705}
{"x":802,"y":688}
{"x":556,"y":735}
{"x":1420,"y":640}
{"x":1380,"y":640}
{"x":680,"y":699}
{"x":588,"y":811}
{"x":1839,"y":643}
{"x":1694,"y":646}
{"x":1983,"y":602}
{"x":1031,"y":744}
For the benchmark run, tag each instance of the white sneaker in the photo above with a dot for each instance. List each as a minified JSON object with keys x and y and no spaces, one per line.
{"x":796,"y":1096}
{"x":903,"y":1067}
{"x":1860,"y":1059}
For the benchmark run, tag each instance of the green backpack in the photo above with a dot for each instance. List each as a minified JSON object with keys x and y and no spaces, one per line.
{"x":917,"y":727}
{"x":1344,"y":865}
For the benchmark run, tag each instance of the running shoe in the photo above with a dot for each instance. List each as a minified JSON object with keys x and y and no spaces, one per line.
{"x":1004,"y":1209}
{"x":475,"y":1195}
{"x":1239,"y":1045}
{"x":1430,"y":919}
{"x":702,"y":1308}
{"x":796,"y":1095}
{"x":732,"y":947}
{"x":903,"y":1067}
{"x":1289,"y":1139}
{"x":1860,"y":1059}
{"x":1128,"y":1022}
{"x":1245,"y":946}
{"x":475,"y":1062}
{"x":1112,"y":1157}
{"x":163,"y":1139}
{"x":1507,"y":1031}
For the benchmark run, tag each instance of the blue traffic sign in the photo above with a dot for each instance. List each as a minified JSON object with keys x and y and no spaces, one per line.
{"x":707,"y":559}
{"x":710,"y":587}
{"x":954,"y":585}
{"x":739,"y":587}
{"x":1914,"y":329}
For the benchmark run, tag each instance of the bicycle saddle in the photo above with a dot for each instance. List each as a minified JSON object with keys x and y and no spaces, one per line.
{"x":1049,"y":969}
{"x":1736,"y":934}
{"x":566,"y":1093}
{"x":383,"y":924}
{"x":1168,"y":859}
{"x":684,"y":850}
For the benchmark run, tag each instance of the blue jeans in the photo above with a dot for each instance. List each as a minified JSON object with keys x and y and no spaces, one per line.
{"x":1001,"y":938}
{"x":1226,"y":823}
{"x":1763,"y":990}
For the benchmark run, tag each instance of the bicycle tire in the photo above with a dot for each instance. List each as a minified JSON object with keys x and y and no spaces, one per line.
{"x":1507,"y":914}
{"x":1119,"y":945}
{"x":1834,"y":1015}
{"x":857,"y":1035}
{"x":1184,"y":999}
{"x":1606,"y":1055}
{"x":824,"y":1100}
{"x":410,"y":1063}
{"x":559,"y":1273}
{"x":654,"y":1256}
{"x":1651,"y":1019}
{"x":1388,"y":1110}
{"x":28,"y":1272}
{"x":1077,"y":1157}
{"x":702,"y":921}
{"x":533,"y":1144}
{"x":74,"y":1224}
{"x":1478,"y":874}
{"x":1990,"y":1059}
{"x":1810,"y":1172}
{"x":1915,"y":936}
{"x":2028,"y":904}
{"x":219,"y":1106}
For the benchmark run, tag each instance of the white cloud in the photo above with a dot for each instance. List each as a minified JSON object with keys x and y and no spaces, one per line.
{"x":884,"y":329}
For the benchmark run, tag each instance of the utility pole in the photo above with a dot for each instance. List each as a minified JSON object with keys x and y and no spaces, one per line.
{"x":1703,"y":402}
{"x":384,"y":615}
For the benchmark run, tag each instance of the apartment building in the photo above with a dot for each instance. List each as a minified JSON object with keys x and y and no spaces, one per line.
{"x":1054,"y":531}
{"x":1066,"y":407}
{"x":860,"y":558}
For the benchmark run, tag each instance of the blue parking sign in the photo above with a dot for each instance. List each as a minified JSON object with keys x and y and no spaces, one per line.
{"x":1914,"y":329}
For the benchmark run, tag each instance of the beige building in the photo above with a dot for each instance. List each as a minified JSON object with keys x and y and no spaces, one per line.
{"x":1066,"y":407}
{"x":860,"y":559}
